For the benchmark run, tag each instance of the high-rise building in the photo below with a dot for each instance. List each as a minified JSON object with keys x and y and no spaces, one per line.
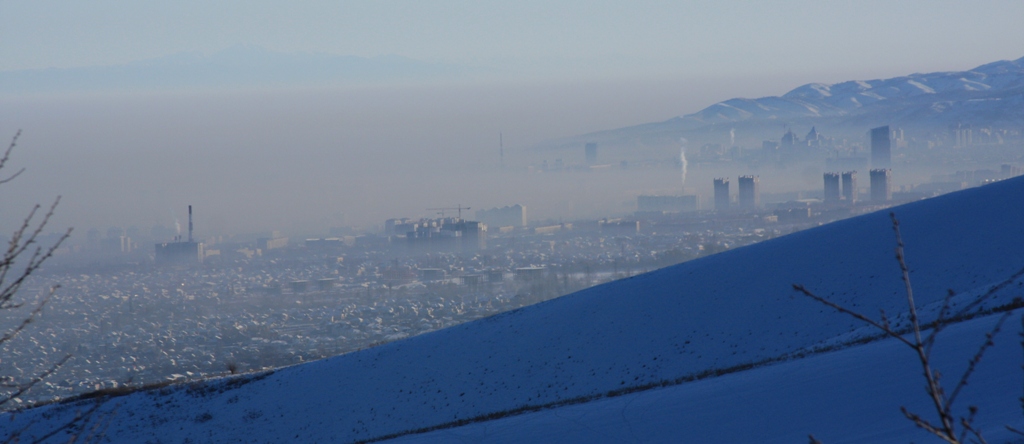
{"x":474,"y":235}
{"x":447,"y":234}
{"x":850,"y":186}
{"x":590,"y":150}
{"x":881,"y":185}
{"x":964,"y":135}
{"x":832,"y":193}
{"x":881,"y":147}
{"x":514,"y":216}
{"x":750,"y":192}
{"x":1007,"y":171}
{"x":722,"y":193}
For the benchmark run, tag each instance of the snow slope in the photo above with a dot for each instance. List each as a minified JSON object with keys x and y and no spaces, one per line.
{"x":849,"y":396}
{"x":725,"y":310}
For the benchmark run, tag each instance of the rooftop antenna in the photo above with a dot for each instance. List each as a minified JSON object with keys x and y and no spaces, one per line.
{"x":190,"y":223}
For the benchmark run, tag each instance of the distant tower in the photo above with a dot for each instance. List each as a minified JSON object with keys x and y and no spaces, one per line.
{"x":813,"y":138}
{"x":881,"y":185}
{"x":850,"y":186}
{"x":180,"y":253}
{"x":750,"y":192}
{"x":590,"y":149}
{"x":881,"y":151}
{"x":722,"y":193}
{"x":832,"y":187}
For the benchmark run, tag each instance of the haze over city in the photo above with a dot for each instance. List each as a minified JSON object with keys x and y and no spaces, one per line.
{"x":335,"y":201}
{"x":305,"y":156}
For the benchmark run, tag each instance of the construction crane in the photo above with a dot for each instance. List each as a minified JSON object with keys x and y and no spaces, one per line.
{"x":441,"y":211}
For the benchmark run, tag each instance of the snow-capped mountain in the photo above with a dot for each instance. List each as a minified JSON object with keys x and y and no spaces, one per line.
{"x":989,"y":95}
{"x":722,"y":314}
{"x":941,"y":90}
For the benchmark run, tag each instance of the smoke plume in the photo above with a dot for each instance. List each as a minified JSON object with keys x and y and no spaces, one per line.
{"x":682,"y":157}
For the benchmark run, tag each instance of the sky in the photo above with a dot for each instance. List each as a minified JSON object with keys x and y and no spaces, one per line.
{"x":537,"y":38}
{"x":308,"y":160}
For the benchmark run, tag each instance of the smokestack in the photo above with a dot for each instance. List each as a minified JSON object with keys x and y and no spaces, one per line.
{"x":190,"y":223}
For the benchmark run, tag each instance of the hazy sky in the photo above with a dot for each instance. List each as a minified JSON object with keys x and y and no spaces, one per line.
{"x":825,"y":39}
{"x":304,"y":162}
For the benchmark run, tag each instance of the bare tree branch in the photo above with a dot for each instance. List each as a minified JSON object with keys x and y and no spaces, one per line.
{"x":988,"y":294}
{"x":23,"y":257}
{"x":973,"y":363}
{"x":1014,"y":430}
{"x":927,"y":426}
{"x":7,"y":156}
{"x":28,"y":319}
{"x":931,"y":377}
{"x":79,"y":419}
{"x":884,"y":328}
{"x":35,"y":380}
{"x":968,"y":425}
{"x":946,"y":429}
{"x":34,"y":262}
{"x":940,"y":320}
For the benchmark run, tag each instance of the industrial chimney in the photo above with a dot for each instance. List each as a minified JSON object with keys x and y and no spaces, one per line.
{"x":190,"y":223}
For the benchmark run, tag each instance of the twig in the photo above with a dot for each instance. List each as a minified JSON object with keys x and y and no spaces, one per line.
{"x":31,"y":317}
{"x":22,"y":257}
{"x":922,"y":423}
{"x":996,"y":288}
{"x":859,"y":316}
{"x":968,"y":425}
{"x":940,"y":320}
{"x":973,"y":363}
{"x":35,"y":380}
{"x":15,"y":436}
{"x":80,"y":418}
{"x":1014,"y":430}
{"x":34,"y":262}
{"x":931,"y":377}
{"x":7,"y":156}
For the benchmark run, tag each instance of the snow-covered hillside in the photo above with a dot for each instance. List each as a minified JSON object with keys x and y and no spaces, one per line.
{"x":725,"y":311}
{"x":846,"y":397}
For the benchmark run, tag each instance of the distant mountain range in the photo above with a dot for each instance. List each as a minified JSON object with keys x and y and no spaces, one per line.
{"x":989,"y":95}
{"x":913,"y":96}
{"x":235,"y":67}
